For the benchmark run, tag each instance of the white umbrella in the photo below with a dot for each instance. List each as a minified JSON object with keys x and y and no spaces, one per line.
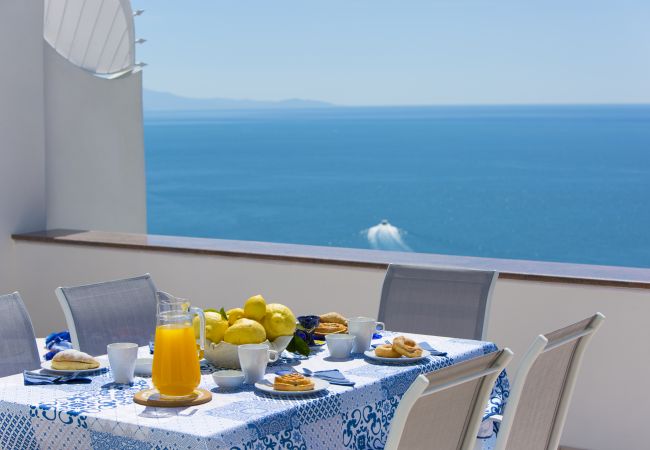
{"x":96,"y":35}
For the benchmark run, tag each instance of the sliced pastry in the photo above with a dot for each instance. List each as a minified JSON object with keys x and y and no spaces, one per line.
{"x":330,"y":328}
{"x":293,"y":382}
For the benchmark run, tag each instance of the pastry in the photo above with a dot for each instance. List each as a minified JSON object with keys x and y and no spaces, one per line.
{"x":406,"y":347}
{"x":333,"y":317}
{"x":386,"y":351}
{"x":293,"y":382}
{"x":330,"y":328}
{"x":74,"y":360}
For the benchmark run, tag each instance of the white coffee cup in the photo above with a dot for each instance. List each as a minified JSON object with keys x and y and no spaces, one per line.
{"x":122,"y":357}
{"x":253,"y":359}
{"x":362,"y":328}
{"x":340,"y":345}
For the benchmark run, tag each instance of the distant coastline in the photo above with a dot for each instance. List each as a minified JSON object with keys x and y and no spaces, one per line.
{"x":157,"y":101}
{"x":165,"y":101}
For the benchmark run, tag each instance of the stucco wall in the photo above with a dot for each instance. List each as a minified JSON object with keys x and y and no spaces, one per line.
{"x":22,"y":157}
{"x":71,"y":145}
{"x":95,"y":149}
{"x":608,"y":411}
{"x":609,"y":405}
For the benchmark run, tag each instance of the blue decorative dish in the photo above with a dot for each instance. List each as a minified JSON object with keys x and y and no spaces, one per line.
{"x":309,"y":322}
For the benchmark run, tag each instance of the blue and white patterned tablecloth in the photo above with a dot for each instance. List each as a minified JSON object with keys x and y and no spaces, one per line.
{"x":102,"y":415}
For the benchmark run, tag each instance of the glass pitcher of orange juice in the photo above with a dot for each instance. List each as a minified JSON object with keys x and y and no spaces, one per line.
{"x":176,"y":371}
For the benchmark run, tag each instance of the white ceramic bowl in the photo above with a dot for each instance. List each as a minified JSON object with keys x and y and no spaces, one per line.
{"x":143,"y":367}
{"x":228,"y":378}
{"x":226,"y":355}
{"x":340,"y":345}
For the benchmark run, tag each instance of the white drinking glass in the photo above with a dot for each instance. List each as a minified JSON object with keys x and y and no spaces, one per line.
{"x":122,"y":357}
{"x":253,"y":359}
{"x":362,"y":328}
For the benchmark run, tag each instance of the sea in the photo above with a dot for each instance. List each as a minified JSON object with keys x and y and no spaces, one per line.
{"x":552,"y":183}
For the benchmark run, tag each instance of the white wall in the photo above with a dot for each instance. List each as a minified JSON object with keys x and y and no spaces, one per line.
{"x":95,"y":149}
{"x":22,"y":157}
{"x":610,"y":402}
{"x":93,"y":132}
{"x":609,"y":408}
{"x":207,"y":281}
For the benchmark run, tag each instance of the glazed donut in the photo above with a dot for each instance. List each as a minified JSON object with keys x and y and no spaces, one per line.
{"x":386,"y":351}
{"x":406,"y":347}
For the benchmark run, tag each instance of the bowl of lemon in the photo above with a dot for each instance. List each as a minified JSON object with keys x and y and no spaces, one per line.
{"x":257,"y":322}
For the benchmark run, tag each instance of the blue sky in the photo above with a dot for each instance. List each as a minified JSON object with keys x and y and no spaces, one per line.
{"x":379,"y":52}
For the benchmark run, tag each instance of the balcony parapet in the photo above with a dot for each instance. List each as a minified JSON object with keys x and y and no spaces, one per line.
{"x":514,"y":269}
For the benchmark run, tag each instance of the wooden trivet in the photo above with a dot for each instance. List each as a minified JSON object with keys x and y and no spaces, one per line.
{"x":151,"y":397}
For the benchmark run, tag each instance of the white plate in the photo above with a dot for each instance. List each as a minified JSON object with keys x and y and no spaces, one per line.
{"x":47,"y":365}
{"x":266,"y":385}
{"x":370,"y":354}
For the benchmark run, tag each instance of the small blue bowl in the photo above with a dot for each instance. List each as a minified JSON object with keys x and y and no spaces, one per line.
{"x":309,"y":322}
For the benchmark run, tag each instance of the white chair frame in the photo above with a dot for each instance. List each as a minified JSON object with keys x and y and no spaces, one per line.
{"x":421,"y":387}
{"x":539,"y":346}
{"x":67,"y":312}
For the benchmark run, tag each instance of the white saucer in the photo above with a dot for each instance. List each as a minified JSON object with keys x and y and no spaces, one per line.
{"x":143,"y":367}
{"x":47,"y":365}
{"x":370,"y":354}
{"x":266,"y":385}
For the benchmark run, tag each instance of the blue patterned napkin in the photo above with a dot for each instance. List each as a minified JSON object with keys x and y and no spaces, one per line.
{"x":57,"y":342}
{"x":334,"y":376}
{"x":433,"y":351}
{"x":37,"y":378}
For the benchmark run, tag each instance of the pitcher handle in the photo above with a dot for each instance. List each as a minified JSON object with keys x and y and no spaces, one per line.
{"x":199,"y":312}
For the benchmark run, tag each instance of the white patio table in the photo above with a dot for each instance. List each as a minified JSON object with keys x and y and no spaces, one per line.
{"x":102,"y":415}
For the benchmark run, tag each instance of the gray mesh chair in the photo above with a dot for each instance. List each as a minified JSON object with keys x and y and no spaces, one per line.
{"x":113,"y":311}
{"x":437,"y":301}
{"x":18,"y":349}
{"x":541,"y":391}
{"x":444,"y":409}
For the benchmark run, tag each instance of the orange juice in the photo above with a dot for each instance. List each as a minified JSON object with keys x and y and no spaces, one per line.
{"x":176,"y":370}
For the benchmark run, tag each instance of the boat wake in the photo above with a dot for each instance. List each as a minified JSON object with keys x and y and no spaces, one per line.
{"x":385,"y":236}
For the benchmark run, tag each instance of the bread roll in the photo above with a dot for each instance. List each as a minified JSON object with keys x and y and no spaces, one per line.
{"x":333,"y":317}
{"x":74,"y":360}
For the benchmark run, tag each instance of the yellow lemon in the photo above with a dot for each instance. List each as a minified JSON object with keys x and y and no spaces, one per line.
{"x":234,"y":315}
{"x":278,"y":321}
{"x":215,"y":326}
{"x":255,"y":308}
{"x":245,"y":331}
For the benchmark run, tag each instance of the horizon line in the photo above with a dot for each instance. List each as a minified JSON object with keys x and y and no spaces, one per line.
{"x":327,"y":103}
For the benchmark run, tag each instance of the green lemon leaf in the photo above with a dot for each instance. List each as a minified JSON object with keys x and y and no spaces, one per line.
{"x":297,"y":345}
{"x":223,"y":314}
